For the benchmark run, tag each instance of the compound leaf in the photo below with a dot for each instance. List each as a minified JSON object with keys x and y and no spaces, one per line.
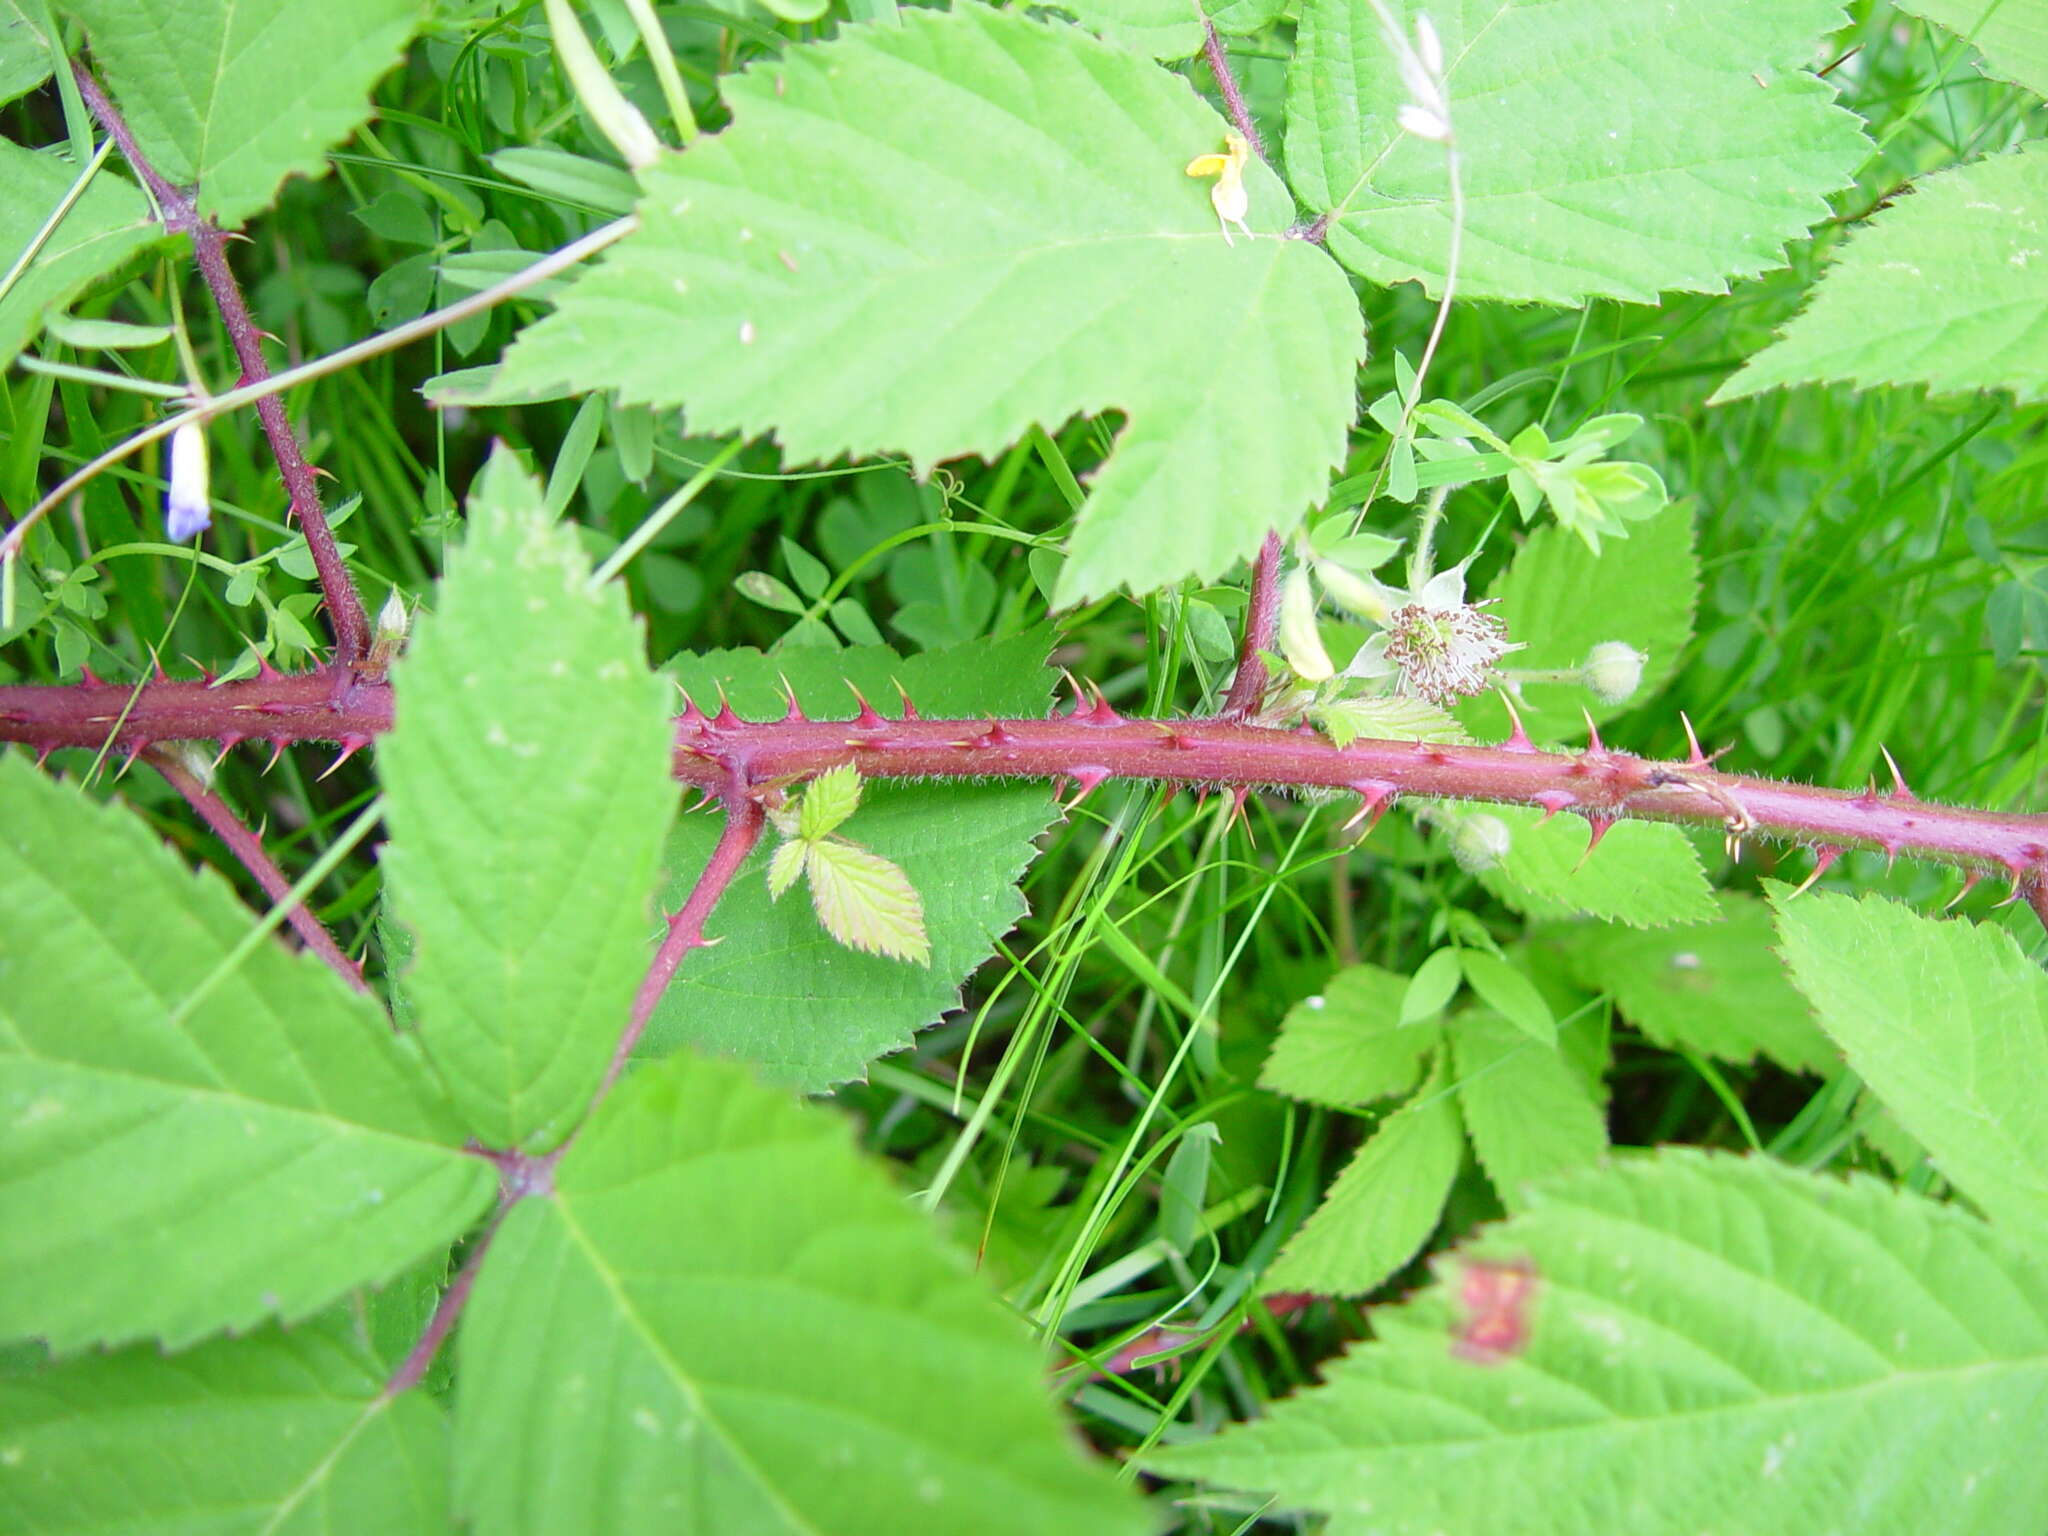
{"x":1947,"y":287}
{"x":238,"y":94}
{"x":180,"y":1160}
{"x":777,"y":989}
{"x":284,"y":1433}
{"x":1947,"y":1022}
{"x":1711,"y":1343}
{"x":723,"y":1320}
{"x":529,"y":795}
{"x":1681,"y":145}
{"x":929,"y":238}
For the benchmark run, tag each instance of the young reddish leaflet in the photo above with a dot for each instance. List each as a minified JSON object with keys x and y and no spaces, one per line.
{"x":1496,"y":1300}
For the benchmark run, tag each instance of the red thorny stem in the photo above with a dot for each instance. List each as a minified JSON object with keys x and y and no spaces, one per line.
{"x":209,"y":253}
{"x":247,"y":847}
{"x":1092,"y":743}
{"x":743,"y":818}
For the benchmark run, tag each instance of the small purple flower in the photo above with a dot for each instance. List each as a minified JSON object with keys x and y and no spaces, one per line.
{"x":188,"y":508}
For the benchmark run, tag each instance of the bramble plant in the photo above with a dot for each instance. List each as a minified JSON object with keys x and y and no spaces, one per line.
{"x":1133,"y":595}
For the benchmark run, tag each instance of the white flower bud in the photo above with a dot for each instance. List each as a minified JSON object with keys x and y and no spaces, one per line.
{"x":188,"y":506}
{"x":387,"y":638}
{"x":1480,"y":842}
{"x":1613,"y":670}
{"x":1299,"y":641}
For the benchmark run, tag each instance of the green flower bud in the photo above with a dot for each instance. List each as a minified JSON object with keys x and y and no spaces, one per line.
{"x":1480,"y":842}
{"x":1613,"y":670}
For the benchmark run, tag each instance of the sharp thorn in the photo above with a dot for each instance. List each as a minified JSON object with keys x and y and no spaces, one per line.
{"x":1970,"y":879}
{"x":1518,"y":738}
{"x":866,"y":719}
{"x":277,"y":746}
{"x":1599,"y":825}
{"x":1087,"y":778}
{"x":350,"y":746}
{"x":909,"y":709}
{"x":1593,"y":741}
{"x":1238,"y":796}
{"x":1823,"y":860}
{"x":795,"y":711}
{"x":87,"y":678}
{"x":725,"y":719}
{"x":691,"y":716}
{"x":228,"y":743}
{"x":1899,"y":789}
{"x":1374,"y":796}
{"x":1694,"y":755}
{"x":1555,"y":800}
{"x":1100,"y":712}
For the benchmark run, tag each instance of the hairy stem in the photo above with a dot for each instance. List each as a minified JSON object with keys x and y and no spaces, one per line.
{"x":730,"y":757}
{"x":209,"y":253}
{"x":743,"y":818}
{"x":1261,"y":620}
{"x":1226,"y":82}
{"x":248,"y":850}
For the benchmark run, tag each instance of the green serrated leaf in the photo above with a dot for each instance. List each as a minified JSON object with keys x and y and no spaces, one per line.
{"x":1524,"y":1107}
{"x":776,"y":989}
{"x":1947,"y":288}
{"x":1510,"y":994}
{"x":529,"y":798}
{"x":784,"y":865}
{"x":107,"y":225}
{"x":723,"y":1316}
{"x":1160,"y":29}
{"x":888,"y":206}
{"x":238,"y":94}
{"x":1712,"y":1343}
{"x":1714,"y":987}
{"x":170,"y":1171}
{"x":2011,"y":34}
{"x":828,"y":800}
{"x":1390,"y":717}
{"x":1947,"y":1022}
{"x":866,"y":902}
{"x":1561,"y":599}
{"x":285,"y":1433}
{"x":1348,"y":1045}
{"x":1383,"y":1206}
{"x":1681,"y":145}
{"x":1642,"y":873}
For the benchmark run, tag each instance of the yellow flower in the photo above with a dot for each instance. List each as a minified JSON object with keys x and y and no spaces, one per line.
{"x":1228,"y":196}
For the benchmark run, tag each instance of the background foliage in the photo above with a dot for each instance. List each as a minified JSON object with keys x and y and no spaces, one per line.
{"x":1219,"y":1172}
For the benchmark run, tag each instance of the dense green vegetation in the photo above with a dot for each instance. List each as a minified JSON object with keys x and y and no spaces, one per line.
{"x":974,"y":568}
